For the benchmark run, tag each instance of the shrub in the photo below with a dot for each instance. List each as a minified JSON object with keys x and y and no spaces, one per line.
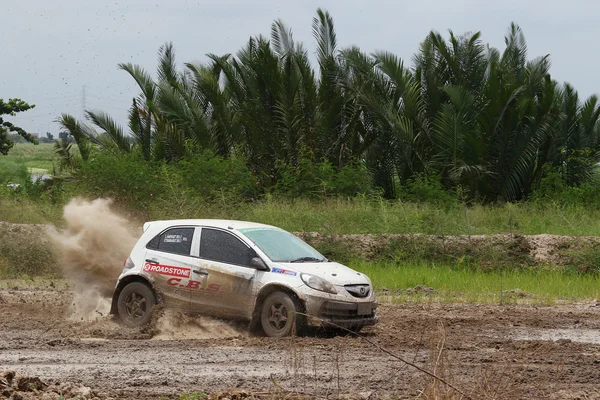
{"x":552,"y":188}
{"x":321,"y":179}
{"x":428,"y":189}
{"x":126,"y":177}
{"x":211,"y":176}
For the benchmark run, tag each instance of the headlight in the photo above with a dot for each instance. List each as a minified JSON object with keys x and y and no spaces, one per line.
{"x":318,"y":283}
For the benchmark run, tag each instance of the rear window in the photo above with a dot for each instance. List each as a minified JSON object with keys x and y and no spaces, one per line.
{"x":174,"y":240}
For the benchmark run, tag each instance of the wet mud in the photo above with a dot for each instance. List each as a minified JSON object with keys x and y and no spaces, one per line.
{"x":485,"y":351}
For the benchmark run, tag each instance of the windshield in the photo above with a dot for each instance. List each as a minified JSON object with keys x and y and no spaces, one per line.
{"x":282,"y":246}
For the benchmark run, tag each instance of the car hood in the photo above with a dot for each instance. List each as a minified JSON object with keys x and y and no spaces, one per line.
{"x":335,"y":273}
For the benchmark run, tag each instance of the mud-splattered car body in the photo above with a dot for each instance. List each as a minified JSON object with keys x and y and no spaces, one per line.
{"x":228,"y":268}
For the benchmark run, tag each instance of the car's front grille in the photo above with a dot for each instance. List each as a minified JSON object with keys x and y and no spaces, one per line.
{"x":360,"y":291}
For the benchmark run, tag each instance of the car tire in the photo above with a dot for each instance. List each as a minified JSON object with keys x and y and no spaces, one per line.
{"x":135,"y":304}
{"x":278,"y":316}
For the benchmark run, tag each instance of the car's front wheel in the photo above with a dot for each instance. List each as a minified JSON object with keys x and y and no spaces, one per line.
{"x":278,"y":315}
{"x":135,"y":304}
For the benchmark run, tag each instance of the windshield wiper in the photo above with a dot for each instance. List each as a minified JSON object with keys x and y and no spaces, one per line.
{"x":306,"y":259}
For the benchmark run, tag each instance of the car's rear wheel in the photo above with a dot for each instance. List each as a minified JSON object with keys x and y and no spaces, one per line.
{"x":278,"y":315}
{"x":135,"y":304}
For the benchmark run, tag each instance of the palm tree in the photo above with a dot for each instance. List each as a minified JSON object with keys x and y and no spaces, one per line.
{"x":487,"y":121}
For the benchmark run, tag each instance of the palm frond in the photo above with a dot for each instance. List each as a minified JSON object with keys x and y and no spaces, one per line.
{"x":81,"y":133}
{"x":110,"y":128}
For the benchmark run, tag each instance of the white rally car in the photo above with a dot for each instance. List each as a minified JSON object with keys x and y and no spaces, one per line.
{"x":240,"y":270}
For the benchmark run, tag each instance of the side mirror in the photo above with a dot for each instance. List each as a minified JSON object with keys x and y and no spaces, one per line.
{"x":258,"y":264}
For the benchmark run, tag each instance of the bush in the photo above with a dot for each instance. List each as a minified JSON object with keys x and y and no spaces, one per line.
{"x":429,"y":189}
{"x":127,"y":177}
{"x":167,"y":190}
{"x":210,"y":176}
{"x":552,"y":188}
{"x":321,"y":179}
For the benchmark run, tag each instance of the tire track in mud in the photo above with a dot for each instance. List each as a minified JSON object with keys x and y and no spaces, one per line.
{"x":39,"y":338}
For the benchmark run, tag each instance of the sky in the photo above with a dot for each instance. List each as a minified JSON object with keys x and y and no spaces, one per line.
{"x":54,"y":51}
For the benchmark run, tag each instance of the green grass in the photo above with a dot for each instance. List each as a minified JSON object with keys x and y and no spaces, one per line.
{"x":23,"y":158}
{"x":343,"y":216}
{"x":379,"y":216}
{"x":19,"y":209}
{"x":334,"y":215}
{"x":39,"y":156}
{"x":457,"y":285}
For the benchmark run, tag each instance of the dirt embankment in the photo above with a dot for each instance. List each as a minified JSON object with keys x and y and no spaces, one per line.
{"x":489,"y":251}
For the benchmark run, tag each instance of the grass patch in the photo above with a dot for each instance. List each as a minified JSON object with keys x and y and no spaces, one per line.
{"x":339,"y":216}
{"x":35,"y":158}
{"x":12,"y":171}
{"x":361,"y":215}
{"x":19,"y":209}
{"x":408,"y":282}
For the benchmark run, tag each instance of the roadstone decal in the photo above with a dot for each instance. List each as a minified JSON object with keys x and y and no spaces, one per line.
{"x":283,"y":271}
{"x":167,"y":270}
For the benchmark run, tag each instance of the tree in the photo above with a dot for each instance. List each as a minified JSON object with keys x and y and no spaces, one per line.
{"x":483,"y":121}
{"x":12,"y":107}
{"x":65,"y":136}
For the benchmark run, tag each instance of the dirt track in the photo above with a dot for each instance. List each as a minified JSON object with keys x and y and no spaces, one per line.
{"x":489,"y":352}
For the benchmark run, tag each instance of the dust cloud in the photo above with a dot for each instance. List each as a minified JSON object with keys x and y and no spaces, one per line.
{"x":93,"y":247}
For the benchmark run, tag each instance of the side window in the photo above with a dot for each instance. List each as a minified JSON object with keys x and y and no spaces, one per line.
{"x":174,"y":240}
{"x":221,"y":246}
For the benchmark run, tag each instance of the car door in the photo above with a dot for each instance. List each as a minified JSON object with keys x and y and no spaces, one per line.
{"x":168,"y":263}
{"x":225,"y":280}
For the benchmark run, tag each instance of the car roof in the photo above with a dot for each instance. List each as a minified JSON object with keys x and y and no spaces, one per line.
{"x":216,"y":223}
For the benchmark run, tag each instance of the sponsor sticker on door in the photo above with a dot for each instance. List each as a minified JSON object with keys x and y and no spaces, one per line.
{"x":167,"y":270}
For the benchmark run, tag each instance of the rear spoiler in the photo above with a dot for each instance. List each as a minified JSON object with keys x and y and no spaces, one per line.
{"x":147,"y":225}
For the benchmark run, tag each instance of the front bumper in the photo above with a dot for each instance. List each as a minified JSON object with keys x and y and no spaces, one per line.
{"x":343,"y":314}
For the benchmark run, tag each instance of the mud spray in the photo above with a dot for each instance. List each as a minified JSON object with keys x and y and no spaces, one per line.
{"x":93,"y":246}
